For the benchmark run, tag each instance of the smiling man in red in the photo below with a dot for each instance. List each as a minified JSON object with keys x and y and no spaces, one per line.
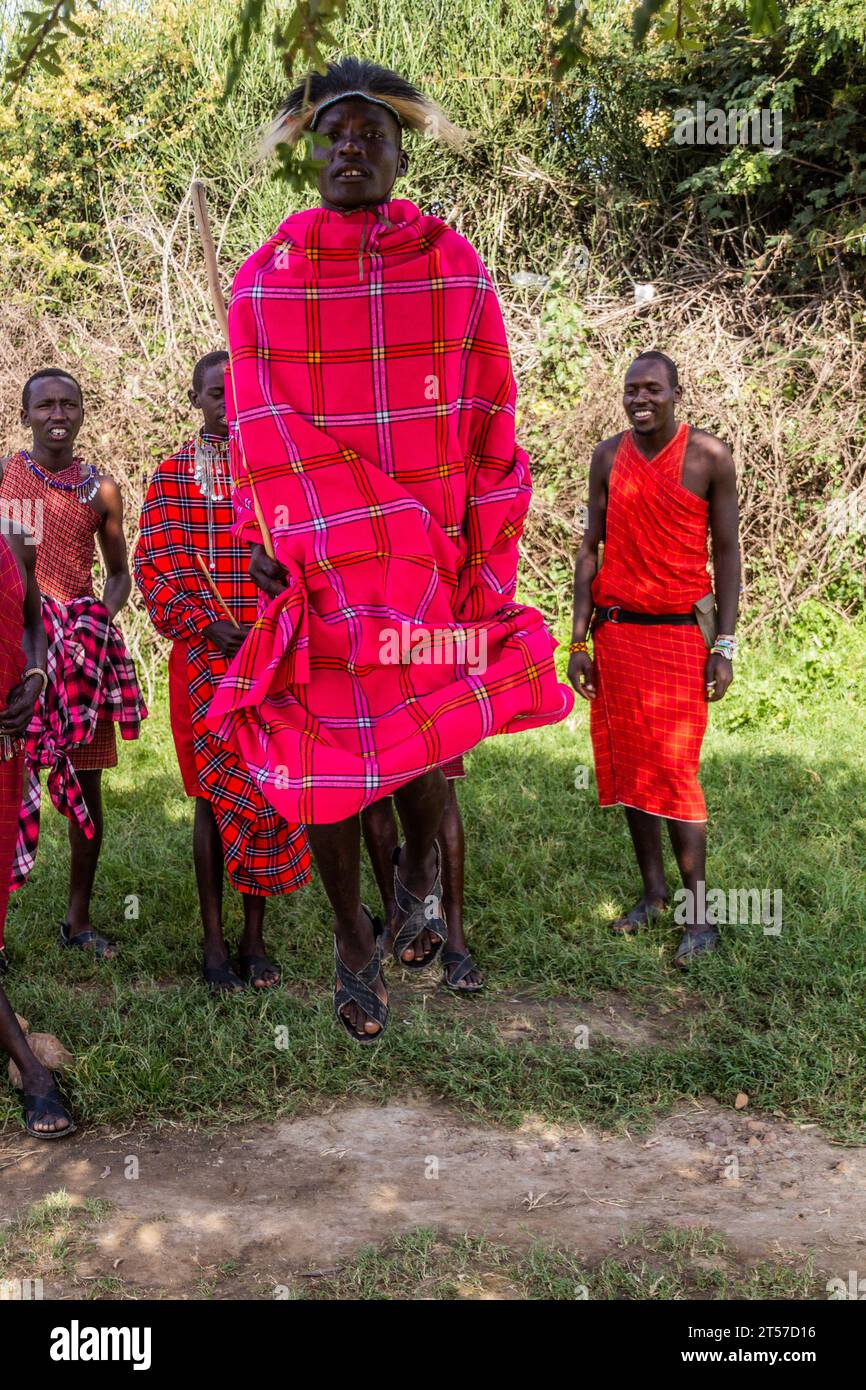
{"x":656,"y":492}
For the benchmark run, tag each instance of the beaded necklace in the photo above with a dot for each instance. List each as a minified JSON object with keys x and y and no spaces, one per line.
{"x":84,"y":490}
{"x":209,"y":468}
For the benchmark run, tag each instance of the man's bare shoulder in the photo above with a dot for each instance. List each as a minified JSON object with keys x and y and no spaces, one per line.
{"x":108,"y":493}
{"x":20,"y":542}
{"x":604,"y":452}
{"x":710,"y":447}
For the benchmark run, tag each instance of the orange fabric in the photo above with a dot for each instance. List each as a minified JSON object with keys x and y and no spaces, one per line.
{"x":650,"y":714}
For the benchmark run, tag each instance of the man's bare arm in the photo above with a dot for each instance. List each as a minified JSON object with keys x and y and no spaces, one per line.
{"x":581,"y":672}
{"x":112,"y":543}
{"x":724,"y":529}
{"x":21,"y":701}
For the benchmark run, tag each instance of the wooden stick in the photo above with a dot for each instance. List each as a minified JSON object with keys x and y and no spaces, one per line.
{"x":215,"y":591}
{"x":202,"y":219}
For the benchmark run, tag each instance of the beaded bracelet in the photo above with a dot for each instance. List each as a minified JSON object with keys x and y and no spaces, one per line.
{"x":36,"y":671}
{"x":724,"y":646}
{"x":578,"y":647}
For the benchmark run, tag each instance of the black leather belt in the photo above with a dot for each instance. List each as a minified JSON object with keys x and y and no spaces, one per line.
{"x":616,"y":614}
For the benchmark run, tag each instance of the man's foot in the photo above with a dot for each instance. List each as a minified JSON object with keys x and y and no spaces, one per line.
{"x":650,"y":906}
{"x":219,"y":976}
{"x":45,"y":1114}
{"x":256,"y":969}
{"x":82,"y":937}
{"x":461,"y":973}
{"x":422,"y":946}
{"x":696,"y":941}
{"x":356,"y":948}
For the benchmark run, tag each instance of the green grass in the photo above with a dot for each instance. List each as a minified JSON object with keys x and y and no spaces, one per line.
{"x":671,"y":1264}
{"x":46,"y":1238}
{"x":780,"y":1017}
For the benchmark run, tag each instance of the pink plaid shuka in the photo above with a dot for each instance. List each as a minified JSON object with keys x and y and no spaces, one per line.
{"x":375,"y":398}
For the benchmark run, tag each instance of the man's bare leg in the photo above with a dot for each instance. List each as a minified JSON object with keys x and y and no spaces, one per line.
{"x":421,"y":805}
{"x":453,"y":842}
{"x":689,"y":842}
{"x":84,"y":857}
{"x":35,"y":1079}
{"x":647,"y":840}
{"x":379,"y":825}
{"x":337,"y":851}
{"x":252,"y":943}
{"x":209,"y":862}
{"x":380,"y":837}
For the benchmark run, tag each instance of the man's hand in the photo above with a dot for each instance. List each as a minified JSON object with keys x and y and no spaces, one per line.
{"x":15,"y":718}
{"x":227,"y":637}
{"x":718,"y":675}
{"x":582,"y":674}
{"x":267,"y":574}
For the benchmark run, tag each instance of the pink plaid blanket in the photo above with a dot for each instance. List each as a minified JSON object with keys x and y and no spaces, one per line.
{"x":90,"y":674}
{"x":375,"y":400}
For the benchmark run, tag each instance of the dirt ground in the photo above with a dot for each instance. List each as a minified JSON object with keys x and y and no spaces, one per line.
{"x":272,"y":1202}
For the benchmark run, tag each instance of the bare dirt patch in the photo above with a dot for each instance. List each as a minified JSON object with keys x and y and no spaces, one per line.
{"x":237,"y":1214}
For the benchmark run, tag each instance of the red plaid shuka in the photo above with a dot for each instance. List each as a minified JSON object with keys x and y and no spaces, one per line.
{"x":90,"y":676}
{"x":649,"y":717}
{"x":11,"y":671}
{"x":263,"y":853}
{"x":375,"y":399}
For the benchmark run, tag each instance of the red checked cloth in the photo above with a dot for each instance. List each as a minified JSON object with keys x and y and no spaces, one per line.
{"x":649,"y":717}
{"x":66,"y":527}
{"x":263,"y":853}
{"x":375,"y":398}
{"x":90,"y":675}
{"x":11,"y":671}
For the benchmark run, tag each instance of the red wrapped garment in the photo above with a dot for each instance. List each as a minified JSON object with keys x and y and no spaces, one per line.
{"x":180,"y":714}
{"x":649,"y":717}
{"x":11,"y":671}
{"x":263,"y":853}
{"x":64,"y":562}
{"x":375,"y":398}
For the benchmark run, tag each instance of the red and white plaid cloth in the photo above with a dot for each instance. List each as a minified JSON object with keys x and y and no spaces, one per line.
{"x":375,"y":398}
{"x":263,"y":853}
{"x":11,"y":671}
{"x":650,"y":714}
{"x":90,"y":673}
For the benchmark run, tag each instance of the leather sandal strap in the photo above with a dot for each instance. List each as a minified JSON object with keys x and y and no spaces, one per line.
{"x":463,"y":965}
{"x":355,"y":987}
{"x":420,"y":914}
